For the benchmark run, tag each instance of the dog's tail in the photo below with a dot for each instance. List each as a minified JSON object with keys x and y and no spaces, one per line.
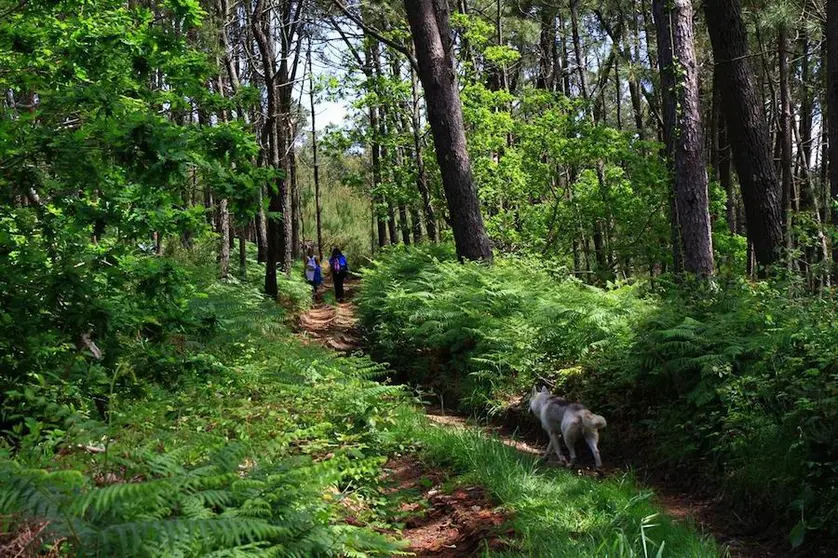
{"x":592,"y":421}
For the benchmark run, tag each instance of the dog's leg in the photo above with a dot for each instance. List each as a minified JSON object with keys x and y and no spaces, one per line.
{"x":549,"y":448}
{"x":592,"y":439}
{"x":554,"y":441}
{"x":569,"y":436}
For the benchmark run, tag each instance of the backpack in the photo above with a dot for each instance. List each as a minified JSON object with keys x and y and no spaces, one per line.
{"x":339,"y":264}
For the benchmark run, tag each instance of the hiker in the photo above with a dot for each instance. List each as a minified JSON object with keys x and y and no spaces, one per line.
{"x":313,"y":275}
{"x":339,"y":269}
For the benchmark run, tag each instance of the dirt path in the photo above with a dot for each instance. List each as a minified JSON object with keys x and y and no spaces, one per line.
{"x":439,"y":519}
{"x":456,"y":524}
{"x":332,"y":325}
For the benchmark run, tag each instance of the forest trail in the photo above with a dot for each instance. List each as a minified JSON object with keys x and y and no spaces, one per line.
{"x":456,"y":524}
{"x":437,"y":522}
{"x":332,"y":325}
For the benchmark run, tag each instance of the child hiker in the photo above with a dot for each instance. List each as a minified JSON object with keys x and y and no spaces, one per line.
{"x":339,"y":268}
{"x":313,"y":275}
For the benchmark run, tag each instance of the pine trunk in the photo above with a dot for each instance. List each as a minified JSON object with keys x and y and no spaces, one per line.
{"x":832,"y":118}
{"x":429,"y":23}
{"x":761,"y":192}
{"x":684,"y":131}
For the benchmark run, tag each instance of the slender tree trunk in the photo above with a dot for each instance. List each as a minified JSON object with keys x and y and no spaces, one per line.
{"x":429,"y":24}
{"x":761,"y":193}
{"x":723,"y":156}
{"x":416,"y":221}
{"x":684,"y":130}
{"x":832,"y":118}
{"x":261,"y":229}
{"x":786,"y":143}
{"x":669,"y":118}
{"x":243,"y":252}
{"x":295,"y":201}
{"x":421,"y":174}
{"x":404,"y":224}
{"x":224,"y":252}
{"x":547,"y":46}
{"x":392,"y":227}
{"x":577,"y":48}
{"x":315,"y":163}
{"x":261,"y":32}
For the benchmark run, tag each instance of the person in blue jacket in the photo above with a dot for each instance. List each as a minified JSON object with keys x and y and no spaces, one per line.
{"x":313,"y":274}
{"x":339,"y":269}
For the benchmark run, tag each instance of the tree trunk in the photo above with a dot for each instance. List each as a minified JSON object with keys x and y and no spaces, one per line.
{"x":722,"y":146}
{"x":416,"y":221}
{"x":832,"y":118}
{"x":392,"y":227}
{"x":261,"y":229}
{"x":786,"y":143}
{"x":577,"y":48}
{"x":261,"y":33}
{"x":761,"y":193}
{"x":669,"y":119}
{"x":684,"y":131}
{"x":404,"y":224}
{"x":547,"y":46}
{"x":295,"y":201}
{"x":243,"y":253}
{"x":315,"y":164}
{"x":224,"y":244}
{"x":431,"y":32}
{"x":421,"y":174}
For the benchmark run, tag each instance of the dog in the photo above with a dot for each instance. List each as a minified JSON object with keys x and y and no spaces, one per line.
{"x":572,"y":420}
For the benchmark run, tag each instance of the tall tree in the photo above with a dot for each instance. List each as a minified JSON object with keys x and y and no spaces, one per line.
{"x":761,"y":192}
{"x":832,"y":118}
{"x":315,"y":165}
{"x":430,"y":27}
{"x":261,"y":24}
{"x":684,"y":131}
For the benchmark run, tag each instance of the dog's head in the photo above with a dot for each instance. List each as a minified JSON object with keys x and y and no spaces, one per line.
{"x":538,"y":397}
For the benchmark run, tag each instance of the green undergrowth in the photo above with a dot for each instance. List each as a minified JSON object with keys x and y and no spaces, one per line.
{"x":732,"y":380}
{"x":252,"y":444}
{"x":248,"y":451}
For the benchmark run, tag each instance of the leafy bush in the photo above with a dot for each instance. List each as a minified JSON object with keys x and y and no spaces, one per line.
{"x":733,"y":378}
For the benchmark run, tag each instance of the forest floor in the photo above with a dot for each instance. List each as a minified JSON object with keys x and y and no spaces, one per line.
{"x":456,"y":524}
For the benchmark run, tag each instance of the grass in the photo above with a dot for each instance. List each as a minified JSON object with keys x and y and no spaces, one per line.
{"x":554,"y":511}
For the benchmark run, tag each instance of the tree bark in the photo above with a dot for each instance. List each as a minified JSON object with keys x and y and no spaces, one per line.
{"x":547,"y":49}
{"x":761,"y":193}
{"x":261,"y":33}
{"x":682,"y":121}
{"x":832,"y":118}
{"x":429,"y":24}
{"x":577,"y":48}
{"x":421,"y":173}
{"x":224,"y":244}
{"x":295,"y":200}
{"x":785,"y":143}
{"x":722,"y":147}
{"x":315,"y":164}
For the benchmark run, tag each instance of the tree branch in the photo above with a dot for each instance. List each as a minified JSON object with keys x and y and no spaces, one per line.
{"x":376,"y":35}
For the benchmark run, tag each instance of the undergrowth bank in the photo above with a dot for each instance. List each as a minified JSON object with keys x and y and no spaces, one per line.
{"x":737,"y":380}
